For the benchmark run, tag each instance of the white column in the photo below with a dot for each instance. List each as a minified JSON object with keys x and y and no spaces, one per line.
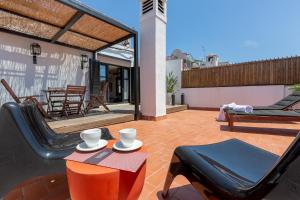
{"x":153,"y":58}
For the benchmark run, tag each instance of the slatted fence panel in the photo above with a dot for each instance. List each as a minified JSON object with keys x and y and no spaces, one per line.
{"x":285,"y":71}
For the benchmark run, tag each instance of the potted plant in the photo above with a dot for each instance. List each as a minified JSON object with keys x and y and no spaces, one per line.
{"x":171,"y":84}
{"x":295,"y":88}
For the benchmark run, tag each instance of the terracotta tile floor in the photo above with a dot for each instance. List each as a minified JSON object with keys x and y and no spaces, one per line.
{"x":183,"y":128}
{"x":197,"y":127}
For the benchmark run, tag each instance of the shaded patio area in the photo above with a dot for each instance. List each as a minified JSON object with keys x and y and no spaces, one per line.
{"x":120,"y":113}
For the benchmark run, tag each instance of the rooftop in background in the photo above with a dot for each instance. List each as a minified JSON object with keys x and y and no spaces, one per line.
{"x":211,"y":60}
{"x":64,"y":22}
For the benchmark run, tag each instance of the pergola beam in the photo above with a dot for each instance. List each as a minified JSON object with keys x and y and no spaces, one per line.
{"x":86,"y":10}
{"x":115,"y":42}
{"x":81,"y":10}
{"x":67,"y":27}
{"x":43,"y":39}
{"x":136,"y":73}
{"x":47,"y":40}
{"x":136,"y":78}
{"x":50,"y":24}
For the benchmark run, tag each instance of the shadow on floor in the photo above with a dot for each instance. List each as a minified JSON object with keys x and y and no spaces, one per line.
{"x":42,"y":188}
{"x":123,"y":111}
{"x":260,"y":130}
{"x":267,"y":121}
{"x":186,"y":192}
{"x":91,"y":113}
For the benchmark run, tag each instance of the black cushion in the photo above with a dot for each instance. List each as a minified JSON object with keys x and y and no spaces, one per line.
{"x":283,"y":103}
{"x":277,"y":113}
{"x":230,"y":167}
{"x":46,"y":136}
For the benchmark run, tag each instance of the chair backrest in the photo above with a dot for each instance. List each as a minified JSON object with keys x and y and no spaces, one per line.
{"x":10,"y":91}
{"x":74,"y":98}
{"x":285,"y":170}
{"x":56,"y":93}
{"x":288,"y":101}
{"x":103,"y":91}
{"x":77,"y":90}
{"x":23,"y":153}
{"x":56,"y":90}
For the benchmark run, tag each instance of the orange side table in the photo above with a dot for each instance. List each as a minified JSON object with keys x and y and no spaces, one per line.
{"x":91,"y":182}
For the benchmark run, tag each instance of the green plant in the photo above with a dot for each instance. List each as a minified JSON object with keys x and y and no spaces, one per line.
{"x":171,"y":82}
{"x":295,"y":87}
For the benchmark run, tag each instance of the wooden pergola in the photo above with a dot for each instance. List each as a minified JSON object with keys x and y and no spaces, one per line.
{"x":67,"y":23}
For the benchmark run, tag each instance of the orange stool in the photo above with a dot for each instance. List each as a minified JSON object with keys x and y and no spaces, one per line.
{"x":91,"y":182}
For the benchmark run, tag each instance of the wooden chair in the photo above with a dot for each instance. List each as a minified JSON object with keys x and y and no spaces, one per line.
{"x":74,"y":98}
{"x":56,"y":97}
{"x":32,"y":98}
{"x":96,"y":101}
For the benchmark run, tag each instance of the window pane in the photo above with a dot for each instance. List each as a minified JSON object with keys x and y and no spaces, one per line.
{"x":126,"y":90}
{"x":102,"y":71}
{"x":126,"y":73}
{"x":119,"y":86}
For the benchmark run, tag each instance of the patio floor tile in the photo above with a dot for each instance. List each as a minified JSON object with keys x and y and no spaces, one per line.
{"x":194,"y":127}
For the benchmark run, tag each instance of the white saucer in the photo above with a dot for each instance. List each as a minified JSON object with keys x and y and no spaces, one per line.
{"x":83,"y":147}
{"x":136,"y":144}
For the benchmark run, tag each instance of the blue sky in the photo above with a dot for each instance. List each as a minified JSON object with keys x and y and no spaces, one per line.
{"x":236,"y":30}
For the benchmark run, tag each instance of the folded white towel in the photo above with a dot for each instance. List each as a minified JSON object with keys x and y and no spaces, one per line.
{"x":221,"y":116}
{"x":235,"y":107}
{"x":243,"y":108}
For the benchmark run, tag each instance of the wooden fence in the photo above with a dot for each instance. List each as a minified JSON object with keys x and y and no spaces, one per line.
{"x":284,"y":71}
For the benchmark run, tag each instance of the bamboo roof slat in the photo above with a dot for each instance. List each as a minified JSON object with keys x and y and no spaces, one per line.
{"x":64,"y":22}
{"x":98,"y":29}
{"x":78,"y":40}
{"x":26,"y":26}
{"x":45,"y":10}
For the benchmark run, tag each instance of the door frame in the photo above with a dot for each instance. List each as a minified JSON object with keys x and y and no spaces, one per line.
{"x":122,"y":80}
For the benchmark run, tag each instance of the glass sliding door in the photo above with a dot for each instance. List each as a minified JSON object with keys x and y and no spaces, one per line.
{"x":126,"y":83}
{"x":103,"y":73}
{"x":118,"y":79}
{"x":103,"y":70}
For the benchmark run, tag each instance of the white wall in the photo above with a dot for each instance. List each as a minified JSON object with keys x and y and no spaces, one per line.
{"x":251,"y":95}
{"x":153,"y":63}
{"x":58,"y":66}
{"x":176,"y":66}
{"x":215,"y":96}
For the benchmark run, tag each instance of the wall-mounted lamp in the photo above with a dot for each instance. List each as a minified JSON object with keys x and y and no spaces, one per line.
{"x":35,"y":50}
{"x":84,"y":59}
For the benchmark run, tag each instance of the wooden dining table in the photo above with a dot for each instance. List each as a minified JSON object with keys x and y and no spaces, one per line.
{"x":55,"y":98}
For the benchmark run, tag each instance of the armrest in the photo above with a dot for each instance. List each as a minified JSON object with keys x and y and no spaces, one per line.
{"x":28,"y":97}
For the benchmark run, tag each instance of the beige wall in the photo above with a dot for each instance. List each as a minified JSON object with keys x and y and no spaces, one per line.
{"x":176,"y":66}
{"x":57,"y":66}
{"x":250,"y":95}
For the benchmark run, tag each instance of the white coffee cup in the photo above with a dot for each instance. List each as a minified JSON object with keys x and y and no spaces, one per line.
{"x":127,"y":136}
{"x":91,"y":137}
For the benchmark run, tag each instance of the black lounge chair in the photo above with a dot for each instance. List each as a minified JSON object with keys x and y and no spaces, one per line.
{"x":284,"y":104}
{"x":234,"y":170}
{"x":29,"y":148}
{"x":261,"y":115}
